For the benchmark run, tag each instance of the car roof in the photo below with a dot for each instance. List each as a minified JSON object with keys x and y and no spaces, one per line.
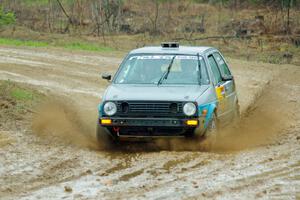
{"x":192,"y":50}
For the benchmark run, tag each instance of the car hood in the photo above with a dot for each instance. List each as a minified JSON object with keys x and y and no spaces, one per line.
{"x":118,"y":92}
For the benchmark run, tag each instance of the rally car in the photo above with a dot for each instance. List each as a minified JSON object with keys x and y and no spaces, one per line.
{"x":168,"y":91}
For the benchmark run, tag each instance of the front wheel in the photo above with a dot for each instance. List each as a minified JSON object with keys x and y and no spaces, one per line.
{"x":211,"y":133}
{"x":104,"y":138}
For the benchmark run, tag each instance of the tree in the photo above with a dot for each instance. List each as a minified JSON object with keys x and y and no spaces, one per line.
{"x":287,"y":4}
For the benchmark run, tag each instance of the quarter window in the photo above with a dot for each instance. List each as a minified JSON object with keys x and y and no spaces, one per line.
{"x":222,"y":64}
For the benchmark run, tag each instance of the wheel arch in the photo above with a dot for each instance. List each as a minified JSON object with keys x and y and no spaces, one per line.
{"x":211,"y":110}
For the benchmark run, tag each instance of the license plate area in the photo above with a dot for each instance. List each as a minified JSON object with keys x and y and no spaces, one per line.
{"x":148,"y":122}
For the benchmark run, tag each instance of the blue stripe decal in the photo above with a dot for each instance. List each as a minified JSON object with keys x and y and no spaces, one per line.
{"x":210,"y":110}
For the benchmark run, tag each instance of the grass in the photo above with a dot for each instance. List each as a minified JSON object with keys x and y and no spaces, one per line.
{"x":77,"y":45}
{"x":18,"y":42}
{"x":21,"y":94}
{"x":16,"y":99}
{"x":86,"y":47}
{"x":270,"y":52}
{"x":16,"y":92}
{"x":43,"y":2}
{"x":35,"y":2}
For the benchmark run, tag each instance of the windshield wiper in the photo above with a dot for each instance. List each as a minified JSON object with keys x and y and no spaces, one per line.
{"x":166,"y":74}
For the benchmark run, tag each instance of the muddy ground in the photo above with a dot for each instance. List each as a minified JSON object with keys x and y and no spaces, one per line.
{"x":53,"y":153}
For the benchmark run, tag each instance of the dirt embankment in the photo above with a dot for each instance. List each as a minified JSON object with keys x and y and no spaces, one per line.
{"x":259,"y":159}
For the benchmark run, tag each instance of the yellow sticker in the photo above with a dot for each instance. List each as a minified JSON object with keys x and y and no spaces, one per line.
{"x":220,"y":91}
{"x":220,"y":94}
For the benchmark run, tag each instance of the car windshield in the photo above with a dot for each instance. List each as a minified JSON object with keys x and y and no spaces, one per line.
{"x":153,"y":69}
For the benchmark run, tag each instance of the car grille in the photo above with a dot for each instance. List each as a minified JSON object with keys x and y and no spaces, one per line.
{"x":154,"y":107}
{"x":149,"y":109}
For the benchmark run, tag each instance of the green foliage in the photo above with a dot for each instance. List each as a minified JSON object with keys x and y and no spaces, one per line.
{"x":35,"y":2}
{"x":78,"y":45}
{"x":17,"y":99}
{"x":86,"y":47}
{"x":13,"y":92}
{"x":17,"y":42}
{"x":45,"y":2}
{"x":21,"y":94}
{"x":6,"y":18}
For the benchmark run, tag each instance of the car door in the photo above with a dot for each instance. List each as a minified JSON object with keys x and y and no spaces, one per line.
{"x":218,"y":84}
{"x":228,"y":82}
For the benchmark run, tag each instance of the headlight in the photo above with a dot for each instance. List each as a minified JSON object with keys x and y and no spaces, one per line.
{"x":110,"y":108}
{"x":189,"y":109}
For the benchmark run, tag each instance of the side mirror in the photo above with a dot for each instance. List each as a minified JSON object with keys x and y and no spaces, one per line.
{"x":106,"y":76}
{"x":227,"y":77}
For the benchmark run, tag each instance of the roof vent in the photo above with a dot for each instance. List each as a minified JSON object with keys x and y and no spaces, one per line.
{"x":170,"y":45}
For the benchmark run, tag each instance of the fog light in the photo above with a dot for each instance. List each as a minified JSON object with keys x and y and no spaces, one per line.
{"x":192,"y":122}
{"x":105,"y":121}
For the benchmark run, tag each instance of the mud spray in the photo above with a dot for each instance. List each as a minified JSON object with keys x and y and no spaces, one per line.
{"x":260,"y":125}
{"x":57,"y":120}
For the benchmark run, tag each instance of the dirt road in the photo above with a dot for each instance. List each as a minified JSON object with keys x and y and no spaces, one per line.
{"x":59,"y":159}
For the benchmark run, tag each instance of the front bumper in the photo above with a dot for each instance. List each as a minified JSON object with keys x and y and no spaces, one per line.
{"x":149,"y":127}
{"x":148,"y":122}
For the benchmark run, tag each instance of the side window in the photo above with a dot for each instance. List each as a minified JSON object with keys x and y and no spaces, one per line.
{"x":222,"y":65}
{"x":215,"y":70}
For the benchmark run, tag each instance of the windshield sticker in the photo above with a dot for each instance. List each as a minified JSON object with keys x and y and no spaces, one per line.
{"x":165,"y":57}
{"x":187,"y":57}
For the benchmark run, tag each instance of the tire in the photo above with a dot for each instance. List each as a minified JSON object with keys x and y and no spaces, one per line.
{"x":105,"y":140}
{"x":211,"y":133}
